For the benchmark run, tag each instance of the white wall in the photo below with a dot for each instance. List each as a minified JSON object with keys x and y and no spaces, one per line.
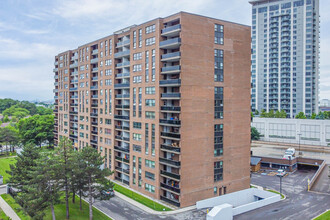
{"x":313,"y":132}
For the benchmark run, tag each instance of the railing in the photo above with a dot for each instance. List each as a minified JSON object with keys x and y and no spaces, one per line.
{"x":170,"y":42}
{"x":171,"y":68}
{"x":94,"y":96}
{"x":121,"y":43}
{"x":94,"y":141}
{"x":122,"y":159}
{"x":171,"y":201}
{"x":95,"y":69}
{"x":122,"y":75}
{"x":93,"y":114}
{"x":122,"y":106}
{"x":122,"y":170}
{"x":73,"y":112}
{"x":170,"y":82}
{"x":171,"y":55}
{"x":172,"y":122}
{"x":94,"y":87}
{"x":95,"y":51}
{"x":169,"y":174}
{"x":121,"y":85}
{"x":122,"y":138}
{"x":74,"y":89}
{"x":121,"y":149}
{"x":170,"y":148}
{"x":174,"y":189}
{"x":122,"y":96}
{"x":122,"y":127}
{"x":171,"y":28}
{"x":122,"y":180}
{"x":170,"y":108}
{"x":121,"y":117}
{"x":94,"y":123}
{"x":169,"y":134}
{"x":122,"y":53}
{"x":169,"y":161}
{"x":73,"y":136}
{"x":170,"y":95}
{"x":95,"y":78}
{"x":127,"y":63}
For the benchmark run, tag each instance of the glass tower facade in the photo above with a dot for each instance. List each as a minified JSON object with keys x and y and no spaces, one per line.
{"x":285,"y":56}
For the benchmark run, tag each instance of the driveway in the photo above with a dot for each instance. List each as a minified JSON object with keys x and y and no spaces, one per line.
{"x":299,"y":203}
{"x":119,"y":209}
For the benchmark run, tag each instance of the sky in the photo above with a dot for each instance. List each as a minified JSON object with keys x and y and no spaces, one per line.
{"x":32,"y":32}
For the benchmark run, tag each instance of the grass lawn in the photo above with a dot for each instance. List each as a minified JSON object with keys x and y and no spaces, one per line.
{"x":75,"y":213}
{"x":324,"y":216}
{"x":17,"y":208}
{"x":10,"y":154}
{"x":273,"y":191}
{"x":4,"y":166}
{"x":3,"y":216}
{"x":141,"y":199}
{"x":60,"y":211}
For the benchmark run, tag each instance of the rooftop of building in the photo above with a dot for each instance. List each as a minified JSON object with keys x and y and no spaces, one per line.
{"x":126,"y":29}
{"x":254,"y":2}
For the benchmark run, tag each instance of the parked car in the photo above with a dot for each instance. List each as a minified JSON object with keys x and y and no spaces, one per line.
{"x":290,"y":151}
{"x":280,"y":172}
{"x":107,"y":194}
{"x":288,"y":157}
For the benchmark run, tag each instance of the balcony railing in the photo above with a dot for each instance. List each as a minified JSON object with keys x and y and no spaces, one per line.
{"x":170,"y":82}
{"x":171,"y":95}
{"x":93,"y":114}
{"x":127,"y":63}
{"x":122,"y":117}
{"x":122,"y":180}
{"x":122,"y":138}
{"x":122,"y":170}
{"x":74,"y":89}
{"x":170,"y":56}
{"x":95,"y":51}
{"x":121,"y":96}
{"x":170,"y":108}
{"x":171,"y":43}
{"x":169,"y":187}
{"x":170,"y":148}
{"x":94,"y":87}
{"x":73,"y":136}
{"x":171,"y":201}
{"x":121,"y":85}
{"x":171,"y":135}
{"x":95,"y":69}
{"x":170,"y":162}
{"x":94,"y":141}
{"x":95,"y":78}
{"x":170,"y":29}
{"x":122,"y":106}
{"x":94,"y":96}
{"x":122,"y":149}
{"x":122,"y":127}
{"x":122,"y":75}
{"x":122,"y":43}
{"x":169,"y":174}
{"x":171,"y":122}
{"x":171,"y":69}
{"x":122,"y":159}
{"x":122,"y":54}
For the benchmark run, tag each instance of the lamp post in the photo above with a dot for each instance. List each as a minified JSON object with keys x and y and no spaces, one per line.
{"x":299,"y":144}
{"x":280,"y":175}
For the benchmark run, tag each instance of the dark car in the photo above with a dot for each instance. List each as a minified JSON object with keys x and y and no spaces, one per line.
{"x":107,"y":194}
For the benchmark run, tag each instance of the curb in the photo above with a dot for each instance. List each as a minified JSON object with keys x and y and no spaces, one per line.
{"x":8,"y":210}
{"x":321,"y":214}
{"x":98,"y":209}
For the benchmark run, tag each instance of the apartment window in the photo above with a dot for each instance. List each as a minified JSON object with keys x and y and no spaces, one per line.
{"x":108,"y":82}
{"x":108,"y":62}
{"x":218,"y":34}
{"x":137,"y":79}
{"x":150,"y":41}
{"x":137,"y":125}
{"x":137,"y":67}
{"x":150,"y":102}
{"x":134,"y":102}
{"x":150,"y":29}
{"x":147,"y":66}
{"x":149,"y":175}
{"x":218,"y":171}
{"x":134,"y":39}
{"x":107,"y":131}
{"x":107,"y":141}
{"x":137,"y":56}
{"x":137,"y":148}
{"x":153,"y":71}
{"x":150,"y":163}
{"x":150,"y":115}
{"x":218,"y":140}
{"x":107,"y":121}
{"x":137,"y":137}
{"x":218,"y":65}
{"x":146,"y":138}
{"x":149,"y":188}
{"x":140,"y":37}
{"x":150,"y":90}
{"x":218,"y":102}
{"x":153,"y":138}
{"x":140,"y":102}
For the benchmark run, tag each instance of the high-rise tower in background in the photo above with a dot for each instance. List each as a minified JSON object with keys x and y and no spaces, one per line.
{"x":166,"y":102}
{"x":285,"y":55}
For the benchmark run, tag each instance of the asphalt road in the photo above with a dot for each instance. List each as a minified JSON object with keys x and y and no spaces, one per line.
{"x":299,"y":203}
{"x":119,"y":209}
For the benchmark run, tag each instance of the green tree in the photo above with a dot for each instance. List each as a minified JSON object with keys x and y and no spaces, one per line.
{"x":44,"y":111}
{"x":271,"y":114}
{"x":313,"y":116}
{"x":29,"y":106}
{"x":255,"y":135}
{"x":16,"y":111}
{"x":5,"y":119}
{"x":256,"y":112}
{"x":277,"y":114}
{"x":282,"y":114}
{"x":7,"y":103}
{"x":300,"y":115}
{"x":263,"y":114}
{"x":65,"y":154}
{"x":95,"y":176}
{"x":9,"y":136}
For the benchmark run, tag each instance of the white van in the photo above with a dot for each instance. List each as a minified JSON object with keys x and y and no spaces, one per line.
{"x":290,"y":151}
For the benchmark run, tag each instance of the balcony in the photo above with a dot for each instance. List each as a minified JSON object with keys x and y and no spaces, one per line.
{"x":169,"y":162}
{"x":55,"y":70}
{"x":94,"y":132}
{"x":94,"y":141}
{"x":73,"y":136}
{"x":74,"y":81}
{"x":95,"y":78}
{"x":170,"y":82}
{"x":122,"y":75}
{"x":122,"y":96}
{"x":73,"y":104}
{"x":94,"y":96}
{"x":122,"y":180}
{"x":73,"y":89}
{"x":126,"y":150}
{"x":74,"y":73}
{"x":56,"y":63}
{"x":123,"y":64}
{"x":171,"y":201}
{"x":94,"y":87}
{"x":74,"y":65}
{"x":93,"y":114}
{"x":94,"y":52}
{"x":169,"y":148}
{"x":73,"y":113}
{"x":170,"y":95}
{"x":123,"y":43}
{"x":94,"y":105}
{"x":170,"y":44}
{"x":56,"y":77}
{"x":122,"y":159}
{"x":122,"y":106}
{"x":55,"y":97}
{"x":74,"y":97}
{"x":171,"y":31}
{"x":170,"y":135}
{"x":95,"y":60}
{"x":120,"y":169}
{"x":119,"y":127}
{"x":171,"y":57}
{"x":122,"y":138}
{"x":168,"y":122}
{"x":121,"y":85}
{"x":170,"y":108}
{"x":94,"y":123}
{"x":171,"y":69}
{"x":121,"y":54}
{"x":121,"y":117}
{"x":169,"y":187}
{"x":55,"y":90}
{"x":95,"y":69}
{"x":170,"y":175}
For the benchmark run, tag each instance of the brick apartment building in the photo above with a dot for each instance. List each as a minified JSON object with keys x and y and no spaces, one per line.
{"x":166,"y":102}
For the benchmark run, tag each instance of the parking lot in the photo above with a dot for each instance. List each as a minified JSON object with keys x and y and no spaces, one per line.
{"x":299,"y":204}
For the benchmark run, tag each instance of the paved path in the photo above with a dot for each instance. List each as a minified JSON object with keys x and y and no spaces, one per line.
{"x":299,"y":203}
{"x":322,"y":183}
{"x":8,"y":210}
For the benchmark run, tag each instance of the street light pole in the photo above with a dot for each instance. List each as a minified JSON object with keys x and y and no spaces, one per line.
{"x":299,"y":144}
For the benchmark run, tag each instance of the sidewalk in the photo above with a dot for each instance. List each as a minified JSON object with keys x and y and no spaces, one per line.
{"x":147,"y":209}
{"x":8,"y":210}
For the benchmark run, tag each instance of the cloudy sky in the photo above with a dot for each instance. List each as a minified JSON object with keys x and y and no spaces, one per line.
{"x":32,"y":32}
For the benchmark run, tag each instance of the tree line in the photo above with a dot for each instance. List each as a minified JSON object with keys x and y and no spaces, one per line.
{"x":41,"y":179}
{"x":282,"y":114}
